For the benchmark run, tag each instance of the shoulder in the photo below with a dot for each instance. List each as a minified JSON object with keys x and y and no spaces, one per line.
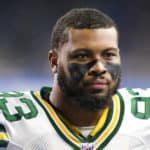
{"x":137,"y":101}
{"x":21,"y":111}
{"x":134,"y":96}
{"x":134,"y":92}
{"x":14,"y":94}
{"x":13,"y":105}
{"x":14,"y":97}
{"x":135,"y":125}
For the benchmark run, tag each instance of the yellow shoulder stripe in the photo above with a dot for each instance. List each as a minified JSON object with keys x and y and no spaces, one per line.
{"x":3,"y":136}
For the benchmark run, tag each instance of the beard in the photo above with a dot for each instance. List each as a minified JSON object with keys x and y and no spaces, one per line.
{"x":76,"y":93}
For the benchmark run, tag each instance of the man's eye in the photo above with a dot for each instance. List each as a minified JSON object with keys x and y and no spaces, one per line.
{"x":109,"y":55}
{"x":82,"y":56}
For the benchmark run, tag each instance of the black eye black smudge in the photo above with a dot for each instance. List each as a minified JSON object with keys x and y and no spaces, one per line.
{"x":78,"y":70}
{"x":114,"y":70}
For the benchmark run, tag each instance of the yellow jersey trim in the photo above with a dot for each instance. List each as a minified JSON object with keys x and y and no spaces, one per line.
{"x":3,"y":136}
{"x":97,"y":139}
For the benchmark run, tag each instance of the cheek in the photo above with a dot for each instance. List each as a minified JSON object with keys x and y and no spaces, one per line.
{"x":114,"y":70}
{"x":77,"y":71}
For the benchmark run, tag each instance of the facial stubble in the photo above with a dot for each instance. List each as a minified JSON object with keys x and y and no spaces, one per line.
{"x":75,"y":91}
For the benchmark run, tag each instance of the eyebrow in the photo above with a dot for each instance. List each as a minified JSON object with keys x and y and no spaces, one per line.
{"x":111,"y":48}
{"x":82,"y":49}
{"x":90,"y":50}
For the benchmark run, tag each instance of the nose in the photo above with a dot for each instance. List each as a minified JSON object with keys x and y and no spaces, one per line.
{"x":97,"y":69}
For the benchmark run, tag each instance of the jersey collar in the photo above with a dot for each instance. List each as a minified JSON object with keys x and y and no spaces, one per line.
{"x":100,"y":135}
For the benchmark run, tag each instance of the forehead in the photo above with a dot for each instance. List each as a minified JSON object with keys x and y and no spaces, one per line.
{"x":93,"y":38}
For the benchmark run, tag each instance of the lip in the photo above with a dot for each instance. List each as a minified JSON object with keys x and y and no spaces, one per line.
{"x":97,"y":85}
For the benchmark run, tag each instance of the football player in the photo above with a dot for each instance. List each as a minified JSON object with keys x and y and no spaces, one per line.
{"x":83,"y":110}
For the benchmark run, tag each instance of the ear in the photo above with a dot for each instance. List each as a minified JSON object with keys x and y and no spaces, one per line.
{"x":53,"y":59}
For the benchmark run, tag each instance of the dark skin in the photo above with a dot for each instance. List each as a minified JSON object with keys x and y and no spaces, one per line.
{"x":78,"y":93}
{"x":90,"y":59}
{"x":79,"y":70}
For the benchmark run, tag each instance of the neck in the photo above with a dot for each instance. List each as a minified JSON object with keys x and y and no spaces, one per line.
{"x":72,"y":111}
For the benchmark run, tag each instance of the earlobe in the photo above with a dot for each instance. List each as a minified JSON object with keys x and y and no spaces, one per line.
{"x":53,"y":58}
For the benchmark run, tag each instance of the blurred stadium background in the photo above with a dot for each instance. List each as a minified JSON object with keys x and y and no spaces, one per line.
{"x":25,"y":28}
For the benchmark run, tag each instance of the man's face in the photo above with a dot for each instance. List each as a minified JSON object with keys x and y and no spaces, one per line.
{"x":89,"y":67}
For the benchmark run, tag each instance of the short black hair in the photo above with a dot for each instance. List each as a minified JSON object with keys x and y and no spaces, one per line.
{"x":79,"y":18}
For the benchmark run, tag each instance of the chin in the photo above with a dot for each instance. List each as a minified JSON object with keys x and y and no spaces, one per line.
{"x":98,"y":92}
